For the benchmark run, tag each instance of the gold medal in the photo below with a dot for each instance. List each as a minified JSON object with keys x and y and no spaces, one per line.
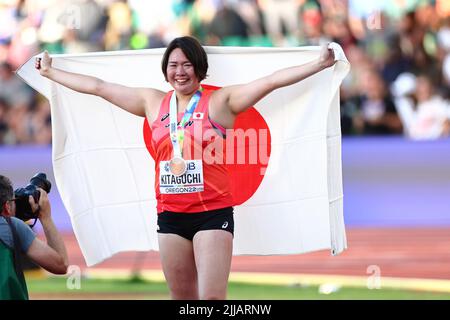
{"x":177,"y":166}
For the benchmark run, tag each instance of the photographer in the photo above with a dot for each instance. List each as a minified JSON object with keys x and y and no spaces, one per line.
{"x":16,"y":236}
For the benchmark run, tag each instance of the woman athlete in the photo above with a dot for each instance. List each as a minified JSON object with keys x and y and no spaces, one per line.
{"x":195,"y":224}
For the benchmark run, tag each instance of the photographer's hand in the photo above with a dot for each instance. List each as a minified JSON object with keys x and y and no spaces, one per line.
{"x":54,"y":239}
{"x":43,"y":206}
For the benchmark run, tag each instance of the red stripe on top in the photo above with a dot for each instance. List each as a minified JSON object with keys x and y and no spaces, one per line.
{"x":201,"y":142}
{"x":218,"y":126}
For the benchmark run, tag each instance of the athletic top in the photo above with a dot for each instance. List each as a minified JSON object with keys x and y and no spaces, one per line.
{"x":202,"y":140}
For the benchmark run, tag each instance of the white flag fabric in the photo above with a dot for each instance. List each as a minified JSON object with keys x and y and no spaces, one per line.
{"x":105,"y":175}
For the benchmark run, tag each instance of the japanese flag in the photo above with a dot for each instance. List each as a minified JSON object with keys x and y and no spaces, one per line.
{"x":288,"y":200}
{"x":197,"y":116}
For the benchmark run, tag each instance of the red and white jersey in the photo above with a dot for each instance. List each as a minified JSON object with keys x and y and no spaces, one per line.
{"x":200,"y":142}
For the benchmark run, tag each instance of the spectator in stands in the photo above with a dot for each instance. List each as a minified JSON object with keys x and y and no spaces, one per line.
{"x":281,"y":15}
{"x":12,"y":89}
{"x":393,"y":40}
{"x":376,"y":111}
{"x":4,"y":128}
{"x":431,"y":115}
{"x":227,"y":25}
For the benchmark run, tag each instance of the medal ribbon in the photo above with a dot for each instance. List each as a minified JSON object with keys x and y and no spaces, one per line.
{"x":177,"y":130}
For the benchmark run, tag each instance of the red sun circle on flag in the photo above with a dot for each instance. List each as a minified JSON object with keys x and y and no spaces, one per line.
{"x":245,"y":178}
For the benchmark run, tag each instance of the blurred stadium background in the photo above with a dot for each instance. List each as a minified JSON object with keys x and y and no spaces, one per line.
{"x":395,"y":118}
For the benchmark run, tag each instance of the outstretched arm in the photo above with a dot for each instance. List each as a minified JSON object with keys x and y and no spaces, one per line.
{"x":134,"y":100}
{"x":232,"y":100}
{"x":52,"y":255}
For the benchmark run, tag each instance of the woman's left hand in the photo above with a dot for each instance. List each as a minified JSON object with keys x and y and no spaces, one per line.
{"x":326,"y":58}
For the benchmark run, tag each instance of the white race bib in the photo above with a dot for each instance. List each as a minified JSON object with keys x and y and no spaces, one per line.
{"x":189,"y":182}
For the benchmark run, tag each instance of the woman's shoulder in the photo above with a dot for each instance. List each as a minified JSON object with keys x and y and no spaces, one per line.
{"x":153,"y":93}
{"x":154,"y":99}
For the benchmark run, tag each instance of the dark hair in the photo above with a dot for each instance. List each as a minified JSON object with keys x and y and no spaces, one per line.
{"x":193,"y":50}
{"x":6,"y":190}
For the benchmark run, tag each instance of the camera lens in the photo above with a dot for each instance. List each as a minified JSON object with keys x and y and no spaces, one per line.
{"x":23,"y":208}
{"x":40,"y":180}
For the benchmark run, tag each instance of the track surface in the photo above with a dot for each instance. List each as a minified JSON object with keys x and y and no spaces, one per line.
{"x":407,"y":253}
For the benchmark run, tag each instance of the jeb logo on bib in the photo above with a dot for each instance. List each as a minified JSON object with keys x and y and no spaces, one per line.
{"x":189,"y":182}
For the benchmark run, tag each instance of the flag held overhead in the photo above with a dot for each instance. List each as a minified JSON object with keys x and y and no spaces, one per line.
{"x":290,"y":200}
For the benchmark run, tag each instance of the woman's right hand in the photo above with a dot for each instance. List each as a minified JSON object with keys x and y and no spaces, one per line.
{"x":43,"y":64}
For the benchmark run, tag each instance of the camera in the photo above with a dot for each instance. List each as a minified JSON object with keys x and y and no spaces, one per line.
{"x":23,"y":207}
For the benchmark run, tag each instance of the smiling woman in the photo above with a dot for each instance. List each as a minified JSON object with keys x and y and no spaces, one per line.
{"x":193,"y":193}
{"x":181,"y":73}
{"x":184,"y":65}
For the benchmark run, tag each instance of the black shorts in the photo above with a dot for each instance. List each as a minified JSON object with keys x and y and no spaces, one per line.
{"x":187,"y":225}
